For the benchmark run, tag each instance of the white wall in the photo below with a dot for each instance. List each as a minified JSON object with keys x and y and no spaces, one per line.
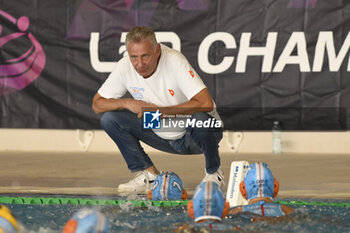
{"x":242,"y":142}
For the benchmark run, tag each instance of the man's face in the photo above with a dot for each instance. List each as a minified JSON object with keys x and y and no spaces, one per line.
{"x":144,"y":57}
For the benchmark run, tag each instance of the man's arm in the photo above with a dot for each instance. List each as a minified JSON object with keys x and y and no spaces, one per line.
{"x":101,"y":104}
{"x":201,"y":102}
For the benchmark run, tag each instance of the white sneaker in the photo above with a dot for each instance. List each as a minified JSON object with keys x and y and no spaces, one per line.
{"x":217,"y":177}
{"x":141,"y":183}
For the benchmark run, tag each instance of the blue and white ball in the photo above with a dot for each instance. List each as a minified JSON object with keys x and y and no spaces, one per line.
{"x":167,"y":186}
{"x":87,"y":220}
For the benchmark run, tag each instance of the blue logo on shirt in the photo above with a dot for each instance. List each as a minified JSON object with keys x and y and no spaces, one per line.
{"x":151,"y":120}
{"x":137,"y":92}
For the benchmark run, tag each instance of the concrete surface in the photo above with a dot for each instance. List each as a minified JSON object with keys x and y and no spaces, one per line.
{"x":300,"y":175}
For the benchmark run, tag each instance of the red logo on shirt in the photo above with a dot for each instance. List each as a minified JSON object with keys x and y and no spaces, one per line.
{"x":191,"y":73}
{"x":172,"y":93}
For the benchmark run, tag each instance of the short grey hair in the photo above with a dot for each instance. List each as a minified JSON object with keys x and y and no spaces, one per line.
{"x":139,"y":33}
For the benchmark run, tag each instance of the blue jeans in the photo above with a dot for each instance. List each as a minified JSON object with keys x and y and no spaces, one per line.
{"x":126,"y":131}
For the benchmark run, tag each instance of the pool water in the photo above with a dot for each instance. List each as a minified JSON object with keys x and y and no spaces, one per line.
{"x":128,"y":218}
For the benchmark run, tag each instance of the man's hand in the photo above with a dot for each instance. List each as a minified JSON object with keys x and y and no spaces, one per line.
{"x":138,"y":106}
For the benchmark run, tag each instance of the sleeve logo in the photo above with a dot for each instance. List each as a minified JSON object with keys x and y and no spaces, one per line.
{"x":191,"y":73}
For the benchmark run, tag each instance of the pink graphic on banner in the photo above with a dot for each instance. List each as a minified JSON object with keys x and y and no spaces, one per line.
{"x":19,"y":71}
{"x":302,"y":3}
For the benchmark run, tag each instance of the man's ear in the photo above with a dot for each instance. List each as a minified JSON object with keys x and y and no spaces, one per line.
{"x":243,"y":190}
{"x":276,"y":187}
